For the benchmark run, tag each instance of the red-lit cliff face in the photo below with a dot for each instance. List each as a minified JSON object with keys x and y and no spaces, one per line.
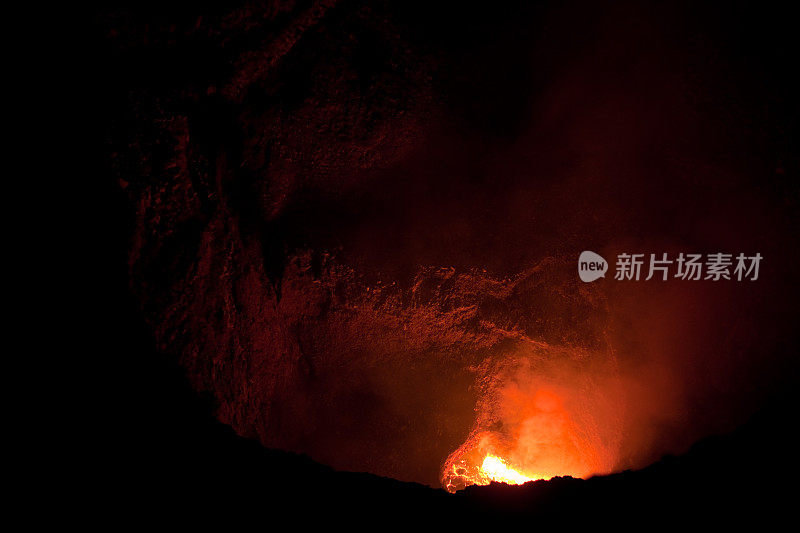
{"x":358,"y":229}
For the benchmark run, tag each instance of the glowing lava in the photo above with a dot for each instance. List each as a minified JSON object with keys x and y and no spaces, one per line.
{"x":533,"y":433}
{"x":465,"y":472}
{"x":496,"y":469}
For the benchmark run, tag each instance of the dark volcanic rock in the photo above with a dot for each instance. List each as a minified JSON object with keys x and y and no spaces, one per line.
{"x":350,"y":220}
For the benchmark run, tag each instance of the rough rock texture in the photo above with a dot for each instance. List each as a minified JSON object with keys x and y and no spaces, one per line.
{"x":350,"y":218}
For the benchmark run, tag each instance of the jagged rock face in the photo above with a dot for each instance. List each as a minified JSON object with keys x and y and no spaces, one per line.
{"x":350,"y":222}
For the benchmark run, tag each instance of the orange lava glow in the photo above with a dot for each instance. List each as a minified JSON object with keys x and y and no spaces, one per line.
{"x":495,"y":469}
{"x":538,"y":437}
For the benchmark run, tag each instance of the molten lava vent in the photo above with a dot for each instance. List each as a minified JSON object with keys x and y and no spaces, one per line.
{"x":357,"y":227}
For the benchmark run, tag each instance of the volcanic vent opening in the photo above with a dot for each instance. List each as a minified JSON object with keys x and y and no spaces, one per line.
{"x":533,"y":428}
